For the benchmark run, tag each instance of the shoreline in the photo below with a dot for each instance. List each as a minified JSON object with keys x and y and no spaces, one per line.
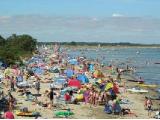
{"x":82,"y":111}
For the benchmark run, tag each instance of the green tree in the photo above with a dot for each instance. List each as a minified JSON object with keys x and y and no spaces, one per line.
{"x":16,"y":46}
{"x":2,"y":41}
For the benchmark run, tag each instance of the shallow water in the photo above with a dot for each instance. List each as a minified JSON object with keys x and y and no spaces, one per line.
{"x":141,"y":58}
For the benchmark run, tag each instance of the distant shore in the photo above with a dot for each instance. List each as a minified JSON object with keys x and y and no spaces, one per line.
{"x":87,"y":46}
{"x":101,"y":45}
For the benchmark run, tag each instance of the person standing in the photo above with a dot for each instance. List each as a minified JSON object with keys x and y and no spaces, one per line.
{"x":11,"y":101}
{"x":37,"y":85}
{"x":149,"y":106}
{"x":12,"y":83}
{"x":51,"y":96}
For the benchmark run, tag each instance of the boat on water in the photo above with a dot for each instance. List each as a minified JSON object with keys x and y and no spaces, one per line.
{"x":137,"y":90}
{"x":138,"y":81}
{"x":138,"y":52}
{"x":148,"y":85}
{"x":157,"y":63}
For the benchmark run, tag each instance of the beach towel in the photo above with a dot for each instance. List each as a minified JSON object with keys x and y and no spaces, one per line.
{"x":8,"y":115}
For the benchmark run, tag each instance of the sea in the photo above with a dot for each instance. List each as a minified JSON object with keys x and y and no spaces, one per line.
{"x":142,"y":59}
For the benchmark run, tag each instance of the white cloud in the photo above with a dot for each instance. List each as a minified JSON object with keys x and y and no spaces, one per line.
{"x":4,"y":19}
{"x":95,"y":19}
{"x":82,"y":28}
{"x":117,"y":15}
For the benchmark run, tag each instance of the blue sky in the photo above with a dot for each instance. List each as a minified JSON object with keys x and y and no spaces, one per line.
{"x":135,"y":21}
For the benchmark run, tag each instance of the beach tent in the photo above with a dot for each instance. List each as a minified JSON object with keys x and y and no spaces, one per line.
{"x":82,"y":78}
{"x":60,"y":80}
{"x":54,"y":69}
{"x":69,"y":73}
{"x":74,"y":83}
{"x":98,"y":74}
{"x":38,"y":70}
{"x":58,"y":83}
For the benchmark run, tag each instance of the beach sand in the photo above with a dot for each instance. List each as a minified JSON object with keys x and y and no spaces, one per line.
{"x":83,"y":111}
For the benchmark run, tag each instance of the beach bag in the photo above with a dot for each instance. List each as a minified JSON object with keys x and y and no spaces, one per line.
{"x":79,"y":97}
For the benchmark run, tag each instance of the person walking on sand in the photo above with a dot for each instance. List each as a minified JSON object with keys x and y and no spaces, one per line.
{"x":37,"y":85}
{"x":149,"y":106}
{"x":51,"y":96}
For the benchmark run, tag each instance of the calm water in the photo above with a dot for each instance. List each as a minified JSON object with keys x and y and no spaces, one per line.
{"x":141,"y":58}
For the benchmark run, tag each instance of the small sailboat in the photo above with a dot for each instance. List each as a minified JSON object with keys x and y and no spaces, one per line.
{"x":138,"y":52}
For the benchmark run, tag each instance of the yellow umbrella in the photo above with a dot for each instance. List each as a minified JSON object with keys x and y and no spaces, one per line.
{"x":108,"y":86}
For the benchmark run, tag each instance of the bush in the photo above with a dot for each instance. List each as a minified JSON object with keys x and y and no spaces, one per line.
{"x":16,"y":46}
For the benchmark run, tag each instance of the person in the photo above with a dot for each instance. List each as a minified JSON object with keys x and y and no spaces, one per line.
{"x":11,"y":102}
{"x":86,"y":96}
{"x":67,"y":97}
{"x":51,"y":96}
{"x":91,"y":98}
{"x":73,"y":98}
{"x":149,"y":107}
{"x":37,"y":85}
{"x":126,"y":111}
{"x":99,"y":99}
{"x":12,"y":84}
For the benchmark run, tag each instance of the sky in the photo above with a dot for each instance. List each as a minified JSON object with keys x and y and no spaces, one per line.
{"x":136,"y":21}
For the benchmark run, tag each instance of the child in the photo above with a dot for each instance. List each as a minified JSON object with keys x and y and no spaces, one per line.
{"x":91,"y":97}
{"x":67,"y":97}
{"x":86,"y":96}
{"x":94,"y":98}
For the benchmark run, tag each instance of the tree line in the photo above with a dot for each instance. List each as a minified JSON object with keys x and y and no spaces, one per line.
{"x":73,"y":43}
{"x":16,"y":46}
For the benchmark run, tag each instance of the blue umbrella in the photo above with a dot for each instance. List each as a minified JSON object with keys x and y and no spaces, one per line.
{"x":73,"y":61}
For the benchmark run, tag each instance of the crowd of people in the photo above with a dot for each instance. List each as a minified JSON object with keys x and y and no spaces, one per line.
{"x":97,"y":87}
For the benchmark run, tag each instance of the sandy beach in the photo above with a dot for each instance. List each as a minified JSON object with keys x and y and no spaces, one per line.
{"x":83,"y":111}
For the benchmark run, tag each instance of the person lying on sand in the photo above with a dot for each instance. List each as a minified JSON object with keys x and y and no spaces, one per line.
{"x":127,"y":111}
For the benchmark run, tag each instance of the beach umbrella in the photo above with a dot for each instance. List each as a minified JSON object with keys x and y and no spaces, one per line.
{"x":74,"y":83}
{"x":82,"y":78}
{"x":73,"y":61}
{"x":109,"y":86}
{"x":69,"y":73}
